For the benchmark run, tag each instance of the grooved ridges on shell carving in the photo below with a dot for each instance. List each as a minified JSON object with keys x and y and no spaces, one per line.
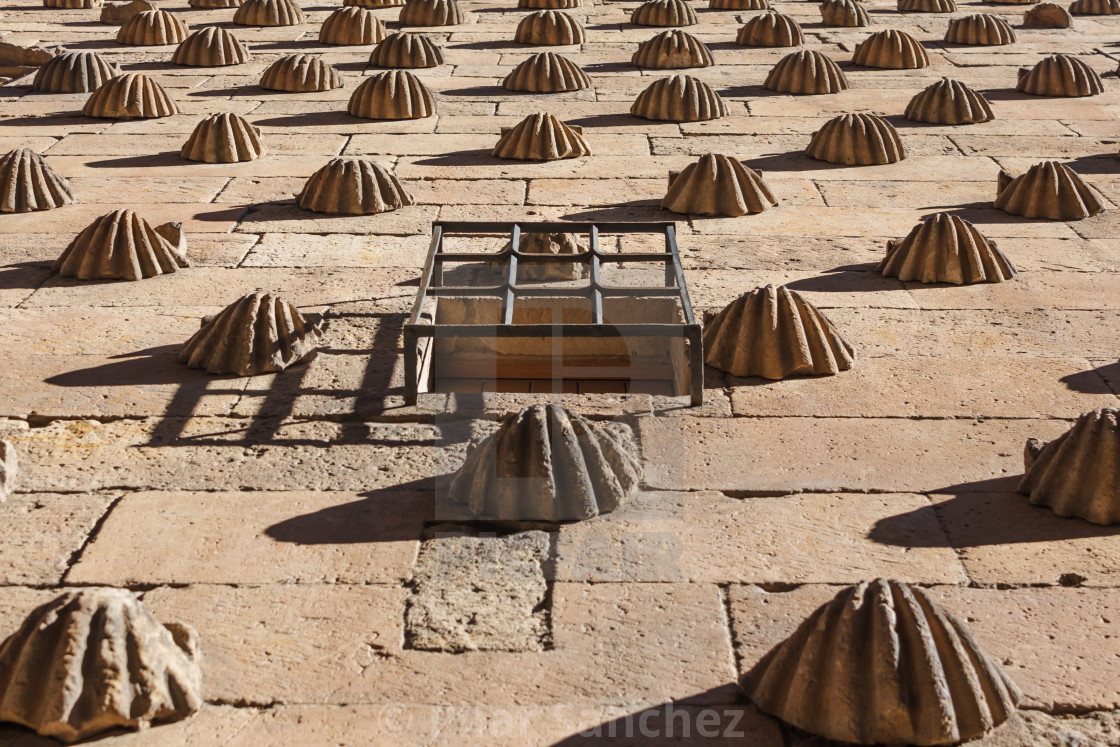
{"x":553,"y":27}
{"x":28,"y":183}
{"x":1094,"y":7}
{"x":1047,"y":16}
{"x":1047,"y":190}
{"x":856,"y":140}
{"x":351,"y":26}
{"x":72,"y":4}
{"x":223,"y":138}
{"x":664,"y":13}
{"x":806,"y":72}
{"x":548,"y":4}
{"x":152,"y":28}
{"x":431,"y":13}
{"x":679,"y":98}
{"x":883,"y":663}
{"x":949,"y":102}
{"x":892,"y":49}
{"x":373,"y":3}
{"x":672,"y":49}
{"x":256,"y":334}
{"x":353,"y":186}
{"x":541,"y":137}
{"x":1078,"y":473}
{"x":123,"y":246}
{"x":269,"y":13}
{"x":93,"y":660}
{"x":773,"y":332}
{"x":927,"y":6}
{"x":844,"y":13}
{"x":404,"y":49}
{"x":121,"y":12}
{"x":1060,"y":75}
{"x":739,"y":4}
{"x":946,"y":249}
{"x":546,"y":72}
{"x":718,"y":185}
{"x":9,"y":468}
{"x":74,"y":72}
{"x":130,"y":96}
{"x":547,"y":463}
{"x":214,"y":3}
{"x":301,"y":72}
{"x":771,"y":29}
{"x":394,"y":94}
{"x":982,"y":29}
{"x":211,"y":47}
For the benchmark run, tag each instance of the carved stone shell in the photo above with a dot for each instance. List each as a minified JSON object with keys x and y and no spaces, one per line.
{"x":116,"y":14}
{"x":739,"y":4}
{"x":431,"y":13}
{"x":130,"y":96}
{"x":949,"y":102}
{"x":555,"y":244}
{"x":301,"y":73}
{"x":1060,"y":75}
{"x":672,"y":49}
{"x":405,"y":49}
{"x":546,"y":72}
{"x":806,"y":72}
{"x":394,"y":94}
{"x":1094,"y":7}
{"x":72,"y":4}
{"x":351,"y":26}
{"x":844,"y":13}
{"x":1078,"y":473}
{"x":946,"y":249}
{"x":541,"y":137}
{"x":891,"y":49}
{"x":9,"y":468}
{"x":353,"y":186}
{"x":1048,"y":190}
{"x":123,"y":246}
{"x":771,"y":29}
{"x":982,"y":29}
{"x":664,"y":13}
{"x":927,"y":6}
{"x":215,"y":3}
{"x":374,"y":3}
{"x":549,"y":4}
{"x":679,"y":98}
{"x":74,"y":72}
{"x":774,"y":333}
{"x":549,"y":27}
{"x":28,"y":183}
{"x":152,"y":28}
{"x":269,"y":13}
{"x":1047,"y":16}
{"x":718,"y":185}
{"x":856,"y":140}
{"x":547,"y":463}
{"x":224,"y":138}
{"x":256,"y":334}
{"x":212,"y":46}
{"x":93,"y":660}
{"x":883,"y":663}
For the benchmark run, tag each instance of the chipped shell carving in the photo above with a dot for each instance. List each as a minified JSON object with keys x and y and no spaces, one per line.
{"x":883,"y":663}
{"x":301,"y":73}
{"x":549,"y":27}
{"x":1094,"y":7}
{"x":1047,"y":16}
{"x":856,"y":140}
{"x":664,"y":13}
{"x":353,"y":186}
{"x":844,"y":13}
{"x":117,"y":14}
{"x":394,"y":94}
{"x":123,"y":246}
{"x":806,"y":72}
{"x":679,"y":98}
{"x":548,"y":4}
{"x":9,"y":468}
{"x":949,"y":102}
{"x":546,"y":72}
{"x":431,"y":13}
{"x":74,"y":72}
{"x":718,"y":185}
{"x":404,"y":49}
{"x":891,"y":49}
{"x":771,"y":29}
{"x":1048,"y":190}
{"x":739,"y":4}
{"x":1060,"y":75}
{"x":946,"y":249}
{"x":130,"y":96}
{"x":28,"y":183}
{"x":927,"y":6}
{"x":257,"y":334}
{"x":672,"y":49}
{"x":547,"y":463}
{"x":541,"y":137}
{"x":224,"y":138}
{"x":981,"y":29}
{"x":351,"y":26}
{"x":212,"y":46}
{"x":1078,"y":473}
{"x":556,"y":244}
{"x":152,"y":28}
{"x":95,"y":659}
{"x":269,"y":13}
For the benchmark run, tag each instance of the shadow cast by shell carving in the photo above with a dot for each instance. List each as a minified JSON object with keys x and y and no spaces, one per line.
{"x":546,"y":72}
{"x":949,"y":102}
{"x":946,"y":249}
{"x":431,"y":13}
{"x":541,"y":137}
{"x":807,"y":72}
{"x":980,"y":29}
{"x":664,"y":13}
{"x":405,"y":49}
{"x":739,"y":4}
{"x":96,"y":659}
{"x":774,"y":333}
{"x":224,"y":138}
{"x":353,"y":186}
{"x":9,"y":469}
{"x":1060,"y":75}
{"x":269,"y":13}
{"x":351,"y":26}
{"x":123,"y":246}
{"x":891,"y":49}
{"x":547,"y":463}
{"x":394,"y":94}
{"x":257,"y":334}
{"x":844,"y":13}
{"x":927,"y":6}
{"x":857,"y":140}
{"x":1094,"y":7}
{"x":130,"y":96}
{"x":74,"y":72}
{"x":1047,"y":16}
{"x":29,"y":184}
{"x":549,"y":27}
{"x":212,"y":46}
{"x":718,"y":185}
{"x":152,"y":28}
{"x":1047,"y":190}
{"x":679,"y":98}
{"x":883,"y":663}
{"x":671,"y":50}
{"x":1078,"y":473}
{"x":770,"y":29}
{"x":300,"y":73}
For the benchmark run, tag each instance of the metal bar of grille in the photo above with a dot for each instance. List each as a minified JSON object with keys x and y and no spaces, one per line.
{"x":596,"y":289}
{"x":511,"y":275}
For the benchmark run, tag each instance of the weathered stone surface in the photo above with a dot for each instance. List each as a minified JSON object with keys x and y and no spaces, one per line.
{"x":9,"y":468}
{"x":43,"y":533}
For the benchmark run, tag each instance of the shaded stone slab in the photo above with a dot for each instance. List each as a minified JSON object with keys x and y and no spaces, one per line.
{"x":42,"y":533}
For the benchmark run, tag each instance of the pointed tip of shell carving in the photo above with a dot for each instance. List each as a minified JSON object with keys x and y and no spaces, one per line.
{"x":431,"y":13}
{"x":547,"y":72}
{"x":718,"y":185}
{"x":927,"y":6}
{"x":394,"y":94}
{"x":946,"y":249}
{"x":130,"y":96}
{"x":771,"y":29}
{"x":212,"y":46}
{"x":672,"y":49}
{"x":93,"y":660}
{"x":1094,"y":7}
{"x":1060,"y":75}
{"x":406,"y":49}
{"x":269,"y":13}
{"x":9,"y":468}
{"x":152,"y":28}
{"x":549,"y":27}
{"x":679,"y":98}
{"x":1078,"y":473}
{"x":351,"y":26}
{"x":980,"y":29}
{"x":541,"y":137}
{"x":74,"y":72}
{"x":1048,"y":190}
{"x":28,"y":183}
{"x":857,"y":140}
{"x":1047,"y":16}
{"x":353,"y":186}
{"x":806,"y":72}
{"x":123,"y":246}
{"x":891,"y":49}
{"x":301,"y":73}
{"x":774,"y":333}
{"x":223,"y":138}
{"x":664,"y":13}
{"x":860,"y":669}
{"x":848,"y":13}
{"x":547,"y":463}
{"x":949,"y":102}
